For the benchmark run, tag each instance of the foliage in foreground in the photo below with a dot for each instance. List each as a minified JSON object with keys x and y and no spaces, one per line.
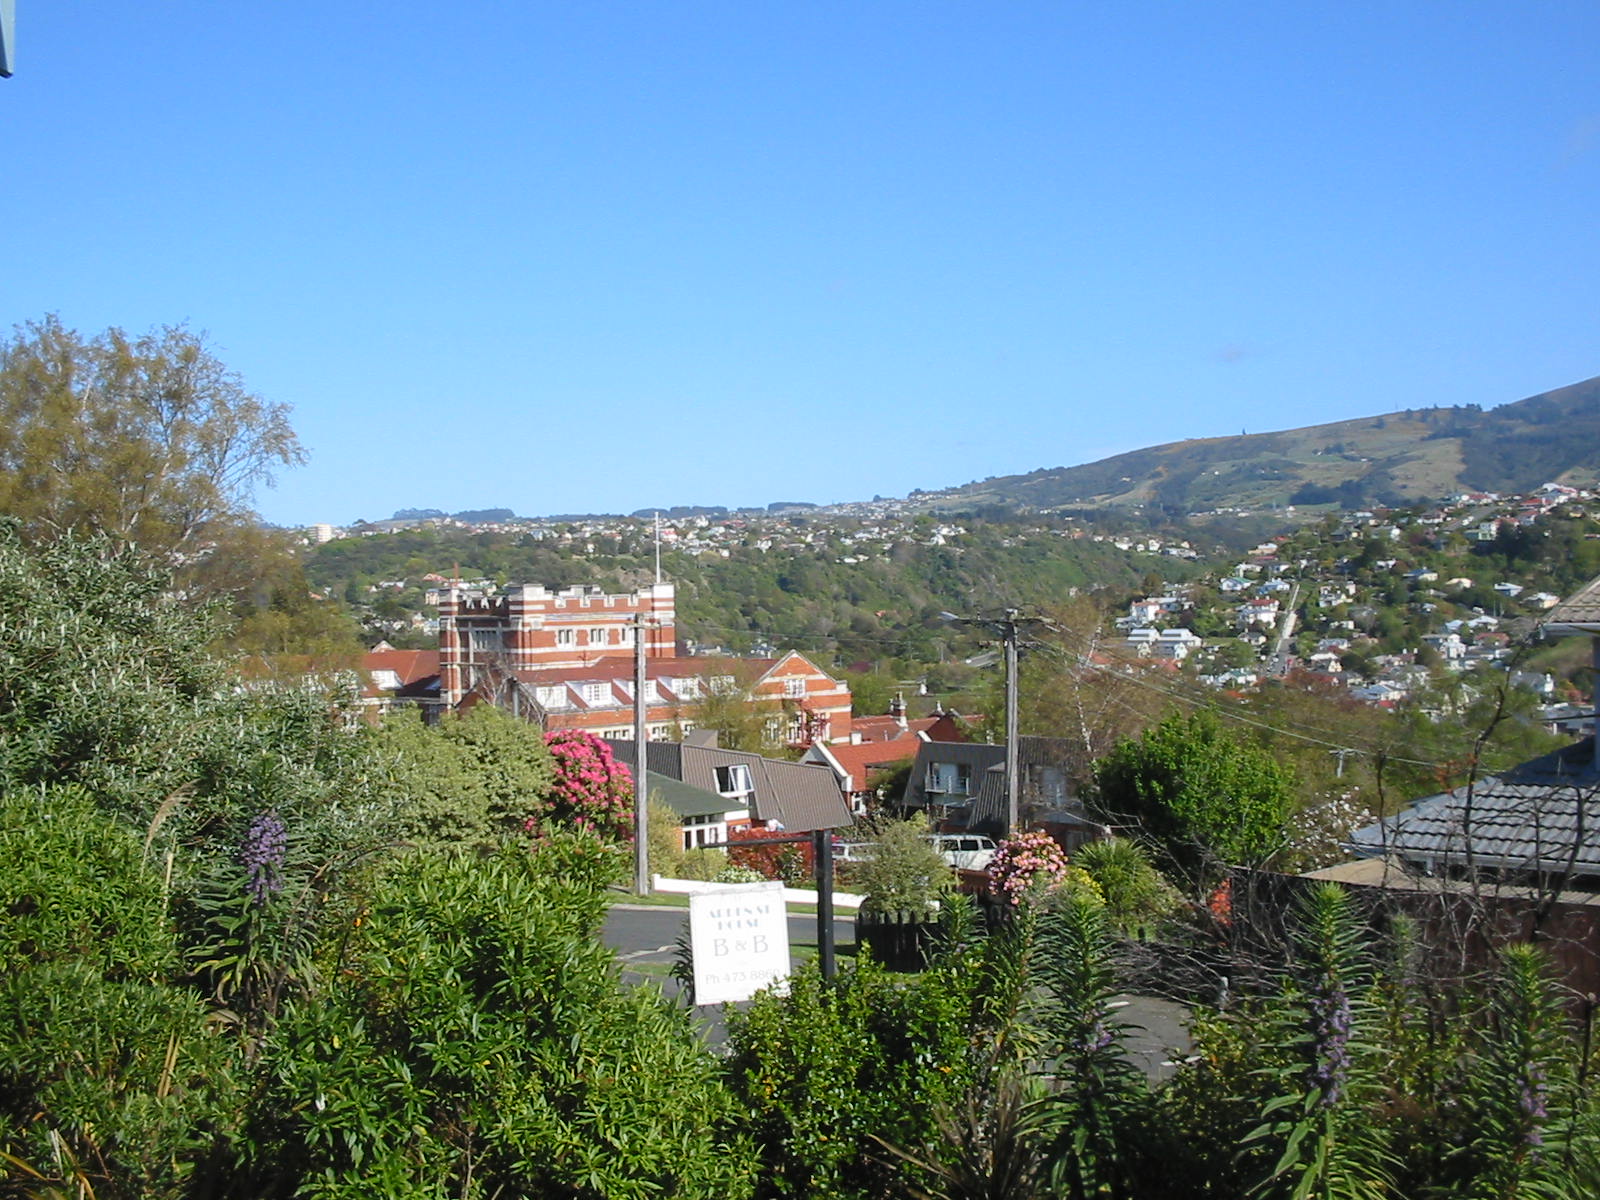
{"x":471,"y":1039}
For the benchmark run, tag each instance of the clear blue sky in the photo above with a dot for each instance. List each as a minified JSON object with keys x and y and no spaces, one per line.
{"x":600,"y":256}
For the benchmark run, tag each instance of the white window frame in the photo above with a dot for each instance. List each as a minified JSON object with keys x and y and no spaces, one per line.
{"x":708,"y":829}
{"x":734,"y":779}
{"x":566,"y":637}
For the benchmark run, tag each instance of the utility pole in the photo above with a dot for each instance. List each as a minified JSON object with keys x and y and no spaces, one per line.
{"x":1007,"y":629}
{"x":641,"y":752}
{"x":1012,"y":768}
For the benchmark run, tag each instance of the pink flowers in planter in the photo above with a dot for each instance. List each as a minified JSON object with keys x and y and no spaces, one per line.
{"x":592,"y":790}
{"x":1025,"y":863}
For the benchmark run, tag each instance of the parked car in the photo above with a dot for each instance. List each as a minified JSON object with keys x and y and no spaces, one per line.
{"x":854,"y":852}
{"x":965,"y":851}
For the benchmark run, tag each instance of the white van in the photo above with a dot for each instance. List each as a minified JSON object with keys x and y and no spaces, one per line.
{"x":854,"y":852}
{"x":965,"y":851}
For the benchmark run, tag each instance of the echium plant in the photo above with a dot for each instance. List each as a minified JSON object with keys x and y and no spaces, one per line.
{"x":1321,"y":1128}
{"x":261,"y":855}
{"x":1097,"y":1115}
{"x":1522,"y":1100}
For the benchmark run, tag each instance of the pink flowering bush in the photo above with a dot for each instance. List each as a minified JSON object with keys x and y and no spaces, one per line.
{"x":592,"y":790}
{"x":1032,"y":864}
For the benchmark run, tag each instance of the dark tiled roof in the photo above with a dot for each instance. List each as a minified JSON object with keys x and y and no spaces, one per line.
{"x":980,"y":756}
{"x":1542,"y":816}
{"x":1581,"y":609}
{"x":799,"y":796}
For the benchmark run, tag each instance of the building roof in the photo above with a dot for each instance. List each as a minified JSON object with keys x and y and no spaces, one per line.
{"x":941,"y":727}
{"x":1540,"y":817}
{"x":800,"y":797}
{"x":408,"y":665}
{"x":987,"y":787}
{"x":859,"y":759}
{"x":685,"y":800}
{"x":1578,"y":613}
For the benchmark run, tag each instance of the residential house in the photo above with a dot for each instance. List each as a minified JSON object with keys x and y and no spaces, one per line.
{"x":754,"y":791}
{"x":1537,"y":824}
{"x":855,"y":763}
{"x":392,"y":678}
{"x":962,"y":786}
{"x":1259,"y":610}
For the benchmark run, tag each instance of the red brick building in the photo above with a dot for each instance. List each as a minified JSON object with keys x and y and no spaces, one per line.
{"x":565,"y":659}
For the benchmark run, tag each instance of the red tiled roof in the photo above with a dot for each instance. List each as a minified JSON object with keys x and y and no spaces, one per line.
{"x":863,"y":757}
{"x":409,"y":665}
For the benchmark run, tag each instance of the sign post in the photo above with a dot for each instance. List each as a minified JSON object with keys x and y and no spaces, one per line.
{"x":740,"y":941}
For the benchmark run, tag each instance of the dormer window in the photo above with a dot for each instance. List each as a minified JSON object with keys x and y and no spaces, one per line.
{"x":734,"y":780}
{"x":596,"y":693}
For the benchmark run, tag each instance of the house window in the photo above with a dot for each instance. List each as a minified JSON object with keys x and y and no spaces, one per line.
{"x":686,"y":689}
{"x":794,"y":687}
{"x":954,"y":779}
{"x":707,"y":830}
{"x":597,"y":637}
{"x":625,"y":635}
{"x":566,"y":637}
{"x":1052,"y":786}
{"x":596,"y":693}
{"x":552,"y":697}
{"x":734,"y":780}
{"x":486,"y":640}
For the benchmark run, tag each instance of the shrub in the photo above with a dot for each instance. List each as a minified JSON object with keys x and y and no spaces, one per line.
{"x":473,"y":1040}
{"x":1136,"y":895}
{"x":1031,"y":865}
{"x":905,"y":873}
{"x":592,"y":790}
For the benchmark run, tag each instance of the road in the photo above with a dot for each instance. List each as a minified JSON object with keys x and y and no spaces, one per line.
{"x":645,"y":937}
{"x":1279,"y":663}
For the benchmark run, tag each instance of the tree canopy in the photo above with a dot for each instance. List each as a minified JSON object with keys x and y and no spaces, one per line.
{"x":1204,"y":794}
{"x":149,"y":440}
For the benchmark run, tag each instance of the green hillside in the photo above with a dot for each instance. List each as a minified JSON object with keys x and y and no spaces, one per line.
{"x":1397,"y":458}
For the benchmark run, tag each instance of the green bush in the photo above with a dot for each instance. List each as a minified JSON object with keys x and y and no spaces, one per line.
{"x":472,"y":1039}
{"x":112,"y":1076}
{"x":905,"y":872}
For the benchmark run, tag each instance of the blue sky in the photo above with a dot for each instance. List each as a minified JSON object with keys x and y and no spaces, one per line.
{"x":606,"y":256}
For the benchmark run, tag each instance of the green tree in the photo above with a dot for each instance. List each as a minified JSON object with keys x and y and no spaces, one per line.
{"x":1205,"y":796}
{"x":149,"y":440}
{"x":103,"y":679}
{"x":471,"y":779}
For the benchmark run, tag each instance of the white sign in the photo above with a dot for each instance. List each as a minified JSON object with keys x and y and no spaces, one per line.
{"x":740,"y":940}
